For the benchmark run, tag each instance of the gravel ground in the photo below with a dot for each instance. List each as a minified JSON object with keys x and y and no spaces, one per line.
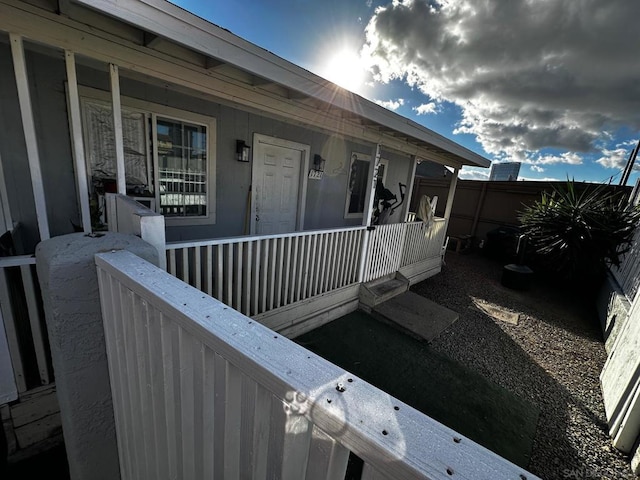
{"x":552,"y":358}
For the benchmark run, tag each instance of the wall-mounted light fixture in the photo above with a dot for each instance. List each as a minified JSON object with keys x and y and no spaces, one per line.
{"x":242,"y":151}
{"x":317,"y":169}
{"x":318,"y":163}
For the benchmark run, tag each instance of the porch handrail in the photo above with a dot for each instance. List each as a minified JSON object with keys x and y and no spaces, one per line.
{"x":235,"y":239}
{"x":261,"y":273}
{"x":201,"y":391}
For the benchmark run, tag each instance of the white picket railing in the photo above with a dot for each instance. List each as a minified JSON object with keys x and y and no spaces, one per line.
{"x":201,"y":391}
{"x":393,"y":246}
{"x":423,"y":242}
{"x":257,"y":274}
{"x":22,"y":315}
{"x":384,"y":251}
{"x":261,"y":273}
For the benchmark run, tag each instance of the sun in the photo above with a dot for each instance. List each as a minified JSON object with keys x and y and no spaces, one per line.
{"x":346,"y":69}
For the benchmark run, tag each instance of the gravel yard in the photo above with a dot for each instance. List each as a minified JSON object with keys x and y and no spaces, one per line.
{"x":544,"y":345}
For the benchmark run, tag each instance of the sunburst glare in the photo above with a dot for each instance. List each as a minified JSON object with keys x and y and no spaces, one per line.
{"x":345,"y":68}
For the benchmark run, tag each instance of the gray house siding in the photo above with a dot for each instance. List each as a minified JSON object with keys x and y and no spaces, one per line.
{"x":325,"y":199}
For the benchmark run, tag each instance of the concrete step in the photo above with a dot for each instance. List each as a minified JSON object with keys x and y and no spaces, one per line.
{"x":381,"y":290}
{"x":419,"y":315}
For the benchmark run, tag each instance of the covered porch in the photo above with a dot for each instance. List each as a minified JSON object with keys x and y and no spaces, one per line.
{"x":94,"y":91}
{"x":91,"y":95}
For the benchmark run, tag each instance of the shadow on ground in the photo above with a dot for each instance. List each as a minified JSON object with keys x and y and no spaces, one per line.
{"x":408,"y":369}
{"x":50,"y":464}
{"x":551,"y":358}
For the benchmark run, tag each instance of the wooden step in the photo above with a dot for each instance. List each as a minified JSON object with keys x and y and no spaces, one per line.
{"x":381,"y":290}
{"x":419,"y":315}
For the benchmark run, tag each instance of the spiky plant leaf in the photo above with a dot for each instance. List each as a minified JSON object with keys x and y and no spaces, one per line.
{"x":580,"y":234}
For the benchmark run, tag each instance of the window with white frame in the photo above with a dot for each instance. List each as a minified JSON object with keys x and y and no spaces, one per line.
{"x":169,"y":156}
{"x":182,"y":167}
{"x":358,"y":183}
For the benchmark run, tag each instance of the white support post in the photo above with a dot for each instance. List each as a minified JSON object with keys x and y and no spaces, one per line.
{"x":409,"y":191}
{"x":77,"y":144}
{"x":371,"y":193}
{"x":117,"y":128}
{"x":452,"y":192}
{"x":364,"y":255}
{"x":29,"y":129}
{"x":5,"y":211}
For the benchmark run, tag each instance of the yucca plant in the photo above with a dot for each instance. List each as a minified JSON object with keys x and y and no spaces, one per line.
{"x":579,"y":235}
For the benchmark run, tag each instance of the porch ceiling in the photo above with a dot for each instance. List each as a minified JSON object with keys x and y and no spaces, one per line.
{"x":220,"y":63}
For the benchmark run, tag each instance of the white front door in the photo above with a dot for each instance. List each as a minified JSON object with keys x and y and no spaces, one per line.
{"x":277,"y":185}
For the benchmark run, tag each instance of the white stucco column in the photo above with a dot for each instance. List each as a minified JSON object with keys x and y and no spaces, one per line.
{"x":69,"y":284}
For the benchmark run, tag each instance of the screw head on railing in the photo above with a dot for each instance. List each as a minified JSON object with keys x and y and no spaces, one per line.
{"x":340,"y":387}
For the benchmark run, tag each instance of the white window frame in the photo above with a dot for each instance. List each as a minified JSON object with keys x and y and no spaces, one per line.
{"x":362,"y":157}
{"x":152,"y":111}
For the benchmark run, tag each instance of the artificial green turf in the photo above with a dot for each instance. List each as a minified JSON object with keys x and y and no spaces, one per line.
{"x":408,"y":369}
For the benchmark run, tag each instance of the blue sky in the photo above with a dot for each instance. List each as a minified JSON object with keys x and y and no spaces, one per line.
{"x":554,"y":84}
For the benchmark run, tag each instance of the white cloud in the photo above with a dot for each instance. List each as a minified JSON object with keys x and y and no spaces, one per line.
{"x":391,"y":104}
{"x":425,"y":108}
{"x":617,"y":157}
{"x":546,"y":179}
{"x":536,"y":168}
{"x":474,"y":173}
{"x":568,"y":158}
{"x":527,"y":75}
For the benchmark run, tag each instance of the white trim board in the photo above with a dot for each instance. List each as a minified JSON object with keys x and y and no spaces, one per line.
{"x":303,"y":316}
{"x":77,"y":140}
{"x":30,"y":135}
{"x":5,"y":211}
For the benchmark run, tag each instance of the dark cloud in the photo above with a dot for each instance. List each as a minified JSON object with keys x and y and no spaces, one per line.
{"x":527,"y":74}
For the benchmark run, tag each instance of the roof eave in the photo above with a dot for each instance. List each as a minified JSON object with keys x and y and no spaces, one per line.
{"x":178,"y":25}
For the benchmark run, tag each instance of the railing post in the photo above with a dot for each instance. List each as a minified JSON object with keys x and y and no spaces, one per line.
{"x":409,"y":191}
{"x":364,"y":253}
{"x":371,"y":193}
{"x":452,"y":192}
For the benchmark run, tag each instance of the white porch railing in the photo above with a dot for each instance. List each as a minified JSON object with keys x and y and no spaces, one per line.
{"x":258,"y":274}
{"x":201,"y":391}
{"x":423,"y":243}
{"x":26,"y":337}
{"x":384,"y":250}
{"x":261,"y":273}
{"x":397,"y":245}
